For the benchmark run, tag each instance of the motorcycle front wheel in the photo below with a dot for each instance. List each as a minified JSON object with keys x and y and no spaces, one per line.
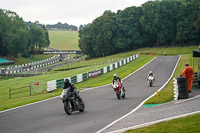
{"x":123,"y":96}
{"x":68,"y":107}
{"x":118,"y":95}
{"x":81,"y":105}
{"x":150,"y":83}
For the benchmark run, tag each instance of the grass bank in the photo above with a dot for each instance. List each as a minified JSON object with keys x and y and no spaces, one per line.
{"x":107,"y":78}
{"x":64,"y":40}
{"x":167,"y":94}
{"x":101,"y":80}
{"x":189,"y":124}
{"x":21,"y":60}
{"x":168,"y":50}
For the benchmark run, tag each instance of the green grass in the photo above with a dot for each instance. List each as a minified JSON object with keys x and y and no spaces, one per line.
{"x":105,"y":79}
{"x":122,"y":72}
{"x":167,"y":93}
{"x":64,"y":40}
{"x":101,"y":80}
{"x":22,"y":60}
{"x":98,"y":62}
{"x":189,"y":124}
{"x":169,"y":50}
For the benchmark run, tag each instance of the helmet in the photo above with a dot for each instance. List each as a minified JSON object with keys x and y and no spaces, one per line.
{"x":67,"y":83}
{"x":150,"y":72}
{"x":186,"y":64}
{"x":115,"y":76}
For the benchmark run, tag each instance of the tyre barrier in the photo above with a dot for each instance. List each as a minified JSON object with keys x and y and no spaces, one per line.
{"x":182,"y":88}
{"x":175,"y":84}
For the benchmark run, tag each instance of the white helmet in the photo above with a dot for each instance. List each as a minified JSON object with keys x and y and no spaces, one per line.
{"x":150,"y":72}
{"x":115,"y":76}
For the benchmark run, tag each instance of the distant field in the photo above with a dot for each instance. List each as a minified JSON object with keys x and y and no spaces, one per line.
{"x":64,"y":40}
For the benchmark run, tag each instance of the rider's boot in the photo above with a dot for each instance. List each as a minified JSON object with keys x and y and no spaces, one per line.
{"x":123,"y":89}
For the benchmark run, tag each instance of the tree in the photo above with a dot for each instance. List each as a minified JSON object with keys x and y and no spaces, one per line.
{"x":96,"y":39}
{"x":13,"y":34}
{"x":128,"y":35}
{"x":37,"y":40}
{"x":155,"y":23}
{"x":186,"y":30}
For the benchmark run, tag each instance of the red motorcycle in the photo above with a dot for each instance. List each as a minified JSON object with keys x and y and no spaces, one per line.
{"x":120,"y":93}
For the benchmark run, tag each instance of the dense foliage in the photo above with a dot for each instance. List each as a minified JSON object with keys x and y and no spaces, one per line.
{"x":154,"y":24}
{"x":61,"y":26}
{"x":18,"y":39}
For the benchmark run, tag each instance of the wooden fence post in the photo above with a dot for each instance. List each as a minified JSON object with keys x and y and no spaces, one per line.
{"x":30,"y":89}
{"x":9,"y":93}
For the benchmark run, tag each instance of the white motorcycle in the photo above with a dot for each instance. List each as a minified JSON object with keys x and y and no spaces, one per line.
{"x":150,"y":80}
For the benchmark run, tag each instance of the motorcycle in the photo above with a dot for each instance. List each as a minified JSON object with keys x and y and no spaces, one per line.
{"x":120,"y":93}
{"x":150,"y":80}
{"x":72,"y":102}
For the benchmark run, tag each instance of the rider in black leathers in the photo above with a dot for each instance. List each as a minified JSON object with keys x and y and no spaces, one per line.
{"x":70,"y":87}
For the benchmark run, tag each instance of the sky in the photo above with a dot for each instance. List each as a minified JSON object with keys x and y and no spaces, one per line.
{"x":72,"y":12}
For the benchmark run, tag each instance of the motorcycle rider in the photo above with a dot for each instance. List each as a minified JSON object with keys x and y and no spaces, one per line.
{"x":70,"y":87}
{"x":117,"y":79}
{"x":151,"y":74}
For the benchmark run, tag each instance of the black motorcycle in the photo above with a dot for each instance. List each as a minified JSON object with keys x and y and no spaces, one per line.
{"x":73,"y":102}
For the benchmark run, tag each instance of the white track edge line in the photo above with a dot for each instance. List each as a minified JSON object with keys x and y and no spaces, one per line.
{"x":154,"y":122}
{"x":112,"y":123}
{"x":81,"y":91}
{"x":197,"y":96}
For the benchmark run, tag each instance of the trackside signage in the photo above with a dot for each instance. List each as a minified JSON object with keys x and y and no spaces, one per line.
{"x":57,"y":52}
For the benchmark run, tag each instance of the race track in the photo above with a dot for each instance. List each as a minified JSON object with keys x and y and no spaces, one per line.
{"x":102,"y":106}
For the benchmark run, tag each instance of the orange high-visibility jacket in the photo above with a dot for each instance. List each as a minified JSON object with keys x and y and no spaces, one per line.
{"x":188,"y":72}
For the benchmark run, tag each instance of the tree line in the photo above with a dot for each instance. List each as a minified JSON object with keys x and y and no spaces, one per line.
{"x":154,"y":24}
{"x":61,"y":26}
{"x":18,"y":38}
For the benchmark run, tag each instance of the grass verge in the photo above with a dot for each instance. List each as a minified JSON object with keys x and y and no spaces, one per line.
{"x":105,"y":79}
{"x":189,"y":124}
{"x":21,"y":60}
{"x":167,"y":94}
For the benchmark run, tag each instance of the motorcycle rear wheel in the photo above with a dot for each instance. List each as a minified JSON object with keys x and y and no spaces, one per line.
{"x":68,"y":107}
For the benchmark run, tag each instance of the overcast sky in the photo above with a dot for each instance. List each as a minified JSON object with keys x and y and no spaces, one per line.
{"x":73,"y":12}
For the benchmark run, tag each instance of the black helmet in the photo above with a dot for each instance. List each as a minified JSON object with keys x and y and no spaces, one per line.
{"x":67,"y":83}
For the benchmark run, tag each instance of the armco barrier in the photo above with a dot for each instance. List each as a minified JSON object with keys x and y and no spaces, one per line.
{"x":59,"y":83}
{"x":74,"y":79}
{"x":79,"y":78}
{"x":28,"y":66}
{"x":101,"y":71}
{"x":55,"y":84}
{"x":108,"y":68}
{"x":85,"y":76}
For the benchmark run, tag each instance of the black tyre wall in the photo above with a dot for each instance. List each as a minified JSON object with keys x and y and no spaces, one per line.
{"x":182,"y":87}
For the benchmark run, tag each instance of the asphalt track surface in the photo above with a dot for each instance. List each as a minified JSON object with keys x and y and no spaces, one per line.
{"x":102,"y":106}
